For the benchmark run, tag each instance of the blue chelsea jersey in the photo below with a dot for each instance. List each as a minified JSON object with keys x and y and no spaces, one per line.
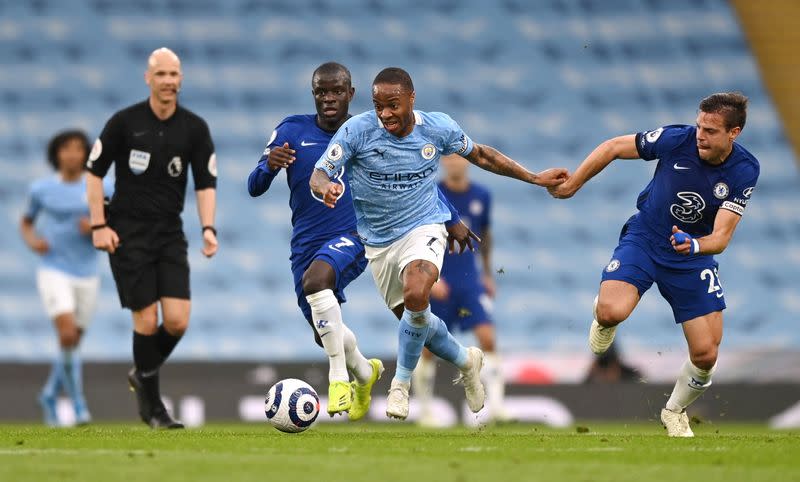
{"x":393,"y":179}
{"x":685,"y":190}
{"x":313,"y":223}
{"x":474,"y":207}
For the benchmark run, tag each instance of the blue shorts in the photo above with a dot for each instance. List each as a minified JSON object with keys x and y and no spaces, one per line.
{"x":464,"y":309}
{"x":690,"y":292}
{"x":345,"y":254}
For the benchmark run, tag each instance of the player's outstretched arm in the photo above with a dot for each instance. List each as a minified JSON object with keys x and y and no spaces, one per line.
{"x":490,"y":159}
{"x":622,"y":147}
{"x":715,"y":243}
{"x":322,"y":186}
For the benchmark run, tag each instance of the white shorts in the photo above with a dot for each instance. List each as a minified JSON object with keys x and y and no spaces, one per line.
{"x":428,"y":242}
{"x":63,"y":293}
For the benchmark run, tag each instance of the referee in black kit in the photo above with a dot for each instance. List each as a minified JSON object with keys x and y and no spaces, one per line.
{"x":152,"y":144}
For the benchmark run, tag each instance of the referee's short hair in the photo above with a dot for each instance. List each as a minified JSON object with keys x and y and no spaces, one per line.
{"x":394,"y":75}
{"x":58,"y":141}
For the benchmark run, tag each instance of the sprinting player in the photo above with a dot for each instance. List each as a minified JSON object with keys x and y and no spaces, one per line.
{"x":688,"y":213}
{"x":327,"y":253}
{"x":56,"y":226}
{"x":152,"y":144}
{"x":463,"y":295}
{"x":392,"y":157}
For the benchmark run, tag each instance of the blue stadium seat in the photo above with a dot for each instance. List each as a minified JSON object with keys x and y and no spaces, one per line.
{"x":543,"y":81}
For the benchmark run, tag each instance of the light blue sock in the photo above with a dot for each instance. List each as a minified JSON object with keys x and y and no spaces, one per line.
{"x":411,"y":338}
{"x":442,"y":344}
{"x":55,"y":380}
{"x":73,"y":379}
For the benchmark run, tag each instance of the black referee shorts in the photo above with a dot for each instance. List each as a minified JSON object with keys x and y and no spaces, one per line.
{"x":151,"y":261}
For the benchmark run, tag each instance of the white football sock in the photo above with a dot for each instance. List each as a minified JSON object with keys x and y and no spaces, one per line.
{"x":422,"y":383}
{"x":692,"y":382}
{"x":357,"y":363}
{"x":492,"y":375}
{"x":327,"y":317}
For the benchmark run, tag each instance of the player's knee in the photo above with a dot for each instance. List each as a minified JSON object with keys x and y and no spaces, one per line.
{"x":314,"y":284}
{"x":415,"y":297}
{"x":610,"y":314}
{"x":67,"y":338}
{"x":176,"y":326}
{"x":704,"y":356}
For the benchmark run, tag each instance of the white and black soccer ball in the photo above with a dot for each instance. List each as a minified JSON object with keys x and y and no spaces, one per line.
{"x":292,"y":405}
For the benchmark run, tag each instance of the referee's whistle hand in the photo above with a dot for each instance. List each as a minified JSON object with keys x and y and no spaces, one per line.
{"x":105,"y":239}
{"x":280,"y":157}
{"x":210,"y":244}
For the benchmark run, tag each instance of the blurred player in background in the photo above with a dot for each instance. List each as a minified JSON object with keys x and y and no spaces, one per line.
{"x":463,"y":296}
{"x":392,"y":156}
{"x":687,"y":214}
{"x":56,"y":226}
{"x":326,"y":251}
{"x":152,"y":144}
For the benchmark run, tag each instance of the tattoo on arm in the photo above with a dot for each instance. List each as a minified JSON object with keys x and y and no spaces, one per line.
{"x":424,"y":267}
{"x":492,"y":160}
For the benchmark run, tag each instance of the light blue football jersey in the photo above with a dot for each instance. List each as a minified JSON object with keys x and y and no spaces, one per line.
{"x":394,"y":180}
{"x":57,"y":208}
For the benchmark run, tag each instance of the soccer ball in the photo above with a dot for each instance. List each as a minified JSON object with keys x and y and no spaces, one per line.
{"x":291,"y":406}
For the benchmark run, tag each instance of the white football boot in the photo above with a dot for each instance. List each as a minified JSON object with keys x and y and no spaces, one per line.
{"x":677,"y":424}
{"x":471,"y":379}
{"x":600,"y":337}
{"x":397,"y":403}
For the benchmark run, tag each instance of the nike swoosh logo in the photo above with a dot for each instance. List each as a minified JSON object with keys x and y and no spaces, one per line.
{"x":323,"y":335}
{"x":306,"y":144}
{"x":139,"y":134}
{"x":680,"y":168}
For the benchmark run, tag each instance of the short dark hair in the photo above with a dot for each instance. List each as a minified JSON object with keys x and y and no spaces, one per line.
{"x":58,"y":141}
{"x":332,"y":68}
{"x":394,"y":75}
{"x":732,"y":106}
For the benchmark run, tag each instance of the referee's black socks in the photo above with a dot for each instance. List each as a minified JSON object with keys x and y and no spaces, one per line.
{"x":166,"y":342}
{"x":147,"y":360}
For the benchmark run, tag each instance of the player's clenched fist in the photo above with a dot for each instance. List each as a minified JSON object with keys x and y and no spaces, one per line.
{"x":552,"y":177}
{"x":280,"y":157}
{"x":105,"y":239}
{"x":332,"y":194}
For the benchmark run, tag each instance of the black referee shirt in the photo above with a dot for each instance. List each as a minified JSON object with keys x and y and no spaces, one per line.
{"x":151,"y":159}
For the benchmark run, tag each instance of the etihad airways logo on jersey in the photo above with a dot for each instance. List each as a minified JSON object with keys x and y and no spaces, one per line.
{"x":401,"y":176}
{"x":400,"y":181}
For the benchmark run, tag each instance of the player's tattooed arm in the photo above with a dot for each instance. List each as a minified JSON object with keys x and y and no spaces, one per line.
{"x":322,"y":186}
{"x":622,"y":147}
{"x":492,"y":160}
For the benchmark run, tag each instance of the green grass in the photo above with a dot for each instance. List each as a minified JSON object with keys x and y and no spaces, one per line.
{"x":383,"y":453}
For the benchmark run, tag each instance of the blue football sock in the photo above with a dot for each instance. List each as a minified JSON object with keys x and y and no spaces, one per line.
{"x":411,"y":338}
{"x":73,"y":379}
{"x":442,"y":344}
{"x":55,"y":381}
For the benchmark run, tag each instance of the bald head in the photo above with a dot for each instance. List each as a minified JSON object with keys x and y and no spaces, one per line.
{"x":164,"y":77}
{"x":162,"y":56}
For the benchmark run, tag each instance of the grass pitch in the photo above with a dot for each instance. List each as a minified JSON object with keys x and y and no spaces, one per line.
{"x":382,"y":453}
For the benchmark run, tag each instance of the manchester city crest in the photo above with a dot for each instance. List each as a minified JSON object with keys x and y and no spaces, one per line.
{"x":428,"y":151}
